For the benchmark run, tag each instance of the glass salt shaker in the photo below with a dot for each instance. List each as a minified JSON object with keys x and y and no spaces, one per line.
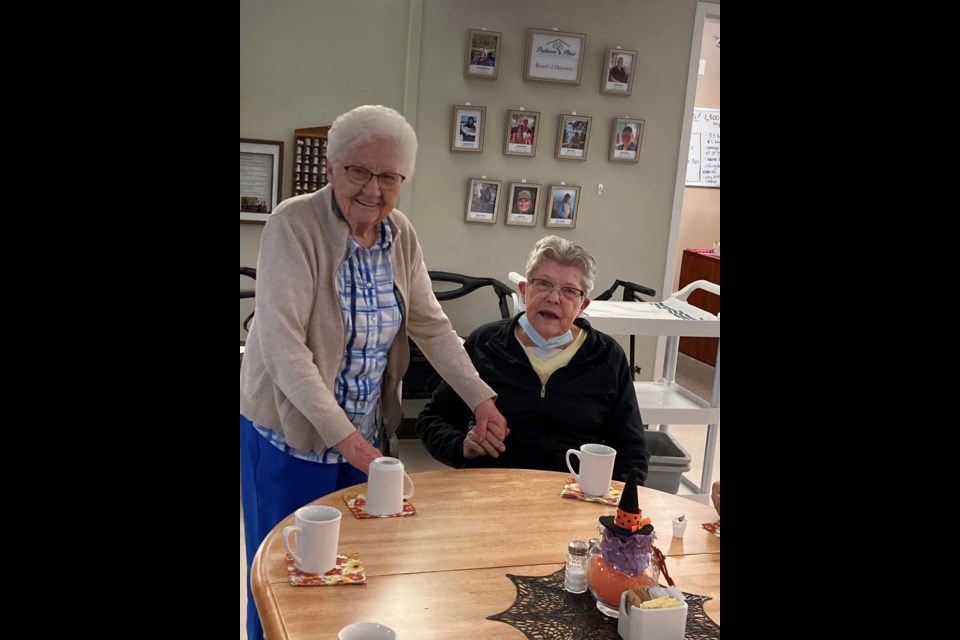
{"x":576,"y":574}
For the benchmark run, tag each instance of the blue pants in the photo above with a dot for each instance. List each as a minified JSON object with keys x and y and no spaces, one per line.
{"x":272,"y":486}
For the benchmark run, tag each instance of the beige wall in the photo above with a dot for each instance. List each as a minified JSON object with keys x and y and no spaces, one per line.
{"x":700,"y":216}
{"x":304,"y":63}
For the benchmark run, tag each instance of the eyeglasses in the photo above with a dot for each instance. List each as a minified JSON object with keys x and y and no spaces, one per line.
{"x":545,"y":287}
{"x":361,"y":176}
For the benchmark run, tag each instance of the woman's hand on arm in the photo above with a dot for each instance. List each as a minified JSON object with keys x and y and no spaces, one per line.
{"x":491,"y":428}
{"x":358,"y":452}
{"x":492,"y":445}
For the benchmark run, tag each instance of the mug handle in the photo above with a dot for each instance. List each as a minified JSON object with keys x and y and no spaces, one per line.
{"x":408,"y":495}
{"x":285,"y":536}
{"x":569,"y":467}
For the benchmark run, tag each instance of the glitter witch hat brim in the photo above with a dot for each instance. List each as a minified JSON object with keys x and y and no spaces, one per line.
{"x":629,"y":519}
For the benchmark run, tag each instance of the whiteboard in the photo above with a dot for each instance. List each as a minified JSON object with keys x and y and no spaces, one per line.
{"x":703,"y":161}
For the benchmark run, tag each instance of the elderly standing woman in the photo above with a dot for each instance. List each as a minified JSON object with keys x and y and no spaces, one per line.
{"x":341,"y":283}
{"x":560,"y":383}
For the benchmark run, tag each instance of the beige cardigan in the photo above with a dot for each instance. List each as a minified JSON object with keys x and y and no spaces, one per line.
{"x":297,"y":340}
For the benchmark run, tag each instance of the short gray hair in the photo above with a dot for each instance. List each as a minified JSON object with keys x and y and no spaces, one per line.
{"x":566,"y":254}
{"x":373,"y":123}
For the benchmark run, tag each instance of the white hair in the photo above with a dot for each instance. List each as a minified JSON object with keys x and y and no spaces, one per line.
{"x":373,"y":123}
{"x":566,"y":254}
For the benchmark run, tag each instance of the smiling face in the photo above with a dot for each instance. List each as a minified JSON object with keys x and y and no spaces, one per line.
{"x":626,"y":136}
{"x":364,"y":206}
{"x":551,"y":314}
{"x":523,"y":204}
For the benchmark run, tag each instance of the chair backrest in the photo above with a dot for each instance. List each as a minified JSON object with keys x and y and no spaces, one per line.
{"x":421,"y":378}
{"x":469,"y":284}
{"x":631,"y":291}
{"x":250,"y":272}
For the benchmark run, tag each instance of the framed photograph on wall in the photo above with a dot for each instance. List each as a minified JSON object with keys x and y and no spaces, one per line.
{"x":483,"y":200}
{"x":616,"y":77}
{"x":522,"y":133}
{"x":522,"y":204}
{"x":562,"y":206}
{"x":261,"y":171}
{"x":483,"y":51}
{"x":554,"y":56}
{"x":573,"y":137}
{"x":627,"y":135}
{"x":467,"y":130}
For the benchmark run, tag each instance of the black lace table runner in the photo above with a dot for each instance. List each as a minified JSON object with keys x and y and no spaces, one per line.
{"x":544,"y":610}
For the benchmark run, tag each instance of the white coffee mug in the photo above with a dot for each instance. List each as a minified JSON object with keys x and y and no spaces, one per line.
{"x":367,"y":631}
{"x":596,"y":468}
{"x":318,"y":534}
{"x":385,"y":486}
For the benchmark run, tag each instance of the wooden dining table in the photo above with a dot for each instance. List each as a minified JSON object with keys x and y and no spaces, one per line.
{"x":439,"y":573}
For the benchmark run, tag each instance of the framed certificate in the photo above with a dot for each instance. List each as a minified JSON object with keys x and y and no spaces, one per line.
{"x":261,"y":170}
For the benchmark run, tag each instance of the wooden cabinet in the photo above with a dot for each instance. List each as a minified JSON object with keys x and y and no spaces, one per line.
{"x":701,"y":266}
{"x":310,"y":159}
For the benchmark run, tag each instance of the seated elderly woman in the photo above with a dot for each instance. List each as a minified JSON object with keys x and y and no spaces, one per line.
{"x":560,"y":383}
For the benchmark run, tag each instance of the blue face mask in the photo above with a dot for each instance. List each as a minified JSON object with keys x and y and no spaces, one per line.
{"x":539,"y":340}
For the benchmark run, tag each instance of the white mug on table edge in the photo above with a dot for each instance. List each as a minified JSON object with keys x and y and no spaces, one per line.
{"x":367,"y":631}
{"x":318,"y":534}
{"x":385,"y":482}
{"x":596,"y":468}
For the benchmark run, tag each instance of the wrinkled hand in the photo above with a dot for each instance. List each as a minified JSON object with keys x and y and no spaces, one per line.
{"x":490,"y":418}
{"x":357,"y":451}
{"x":716,"y":496}
{"x":487,"y":436}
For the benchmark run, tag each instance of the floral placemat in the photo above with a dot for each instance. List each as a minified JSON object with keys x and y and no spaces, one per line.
{"x":712,"y":527}
{"x":349,"y":570}
{"x":572,"y":490}
{"x":543,"y":610}
{"x":357,"y":503}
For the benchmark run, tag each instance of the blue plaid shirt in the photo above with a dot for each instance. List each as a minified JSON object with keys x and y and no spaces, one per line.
{"x":371,"y":316}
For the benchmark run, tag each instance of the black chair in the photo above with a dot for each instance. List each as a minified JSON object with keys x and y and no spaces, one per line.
{"x":250,"y":272}
{"x":631,"y":293}
{"x":421,"y":379}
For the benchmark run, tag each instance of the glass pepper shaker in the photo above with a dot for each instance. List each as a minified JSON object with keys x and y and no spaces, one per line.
{"x":575,"y":580}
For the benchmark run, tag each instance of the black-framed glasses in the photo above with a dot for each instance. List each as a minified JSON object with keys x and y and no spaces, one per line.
{"x":360,"y":176}
{"x":545,"y":287}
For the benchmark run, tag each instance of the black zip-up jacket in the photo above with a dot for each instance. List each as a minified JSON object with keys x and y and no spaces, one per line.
{"x":592,"y":399}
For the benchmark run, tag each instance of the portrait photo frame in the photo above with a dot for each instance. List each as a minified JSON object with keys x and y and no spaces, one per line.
{"x":261,"y":175}
{"x":615,"y":79}
{"x":483,"y":54}
{"x":523,"y":131}
{"x":632,"y":153}
{"x":466,"y":132}
{"x":562,"y":206}
{"x":483,"y":200}
{"x":573,"y":137}
{"x":515,"y":213}
{"x":554,"y":56}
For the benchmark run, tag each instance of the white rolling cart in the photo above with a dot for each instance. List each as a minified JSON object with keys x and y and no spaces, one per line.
{"x":664,"y":402}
